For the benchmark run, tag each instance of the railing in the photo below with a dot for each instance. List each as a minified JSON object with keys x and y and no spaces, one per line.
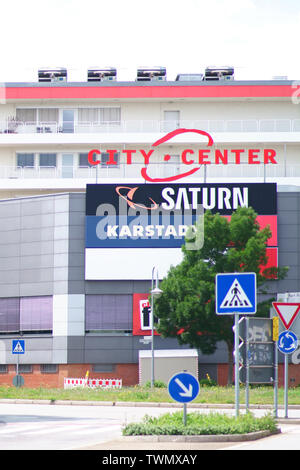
{"x":154,"y":170}
{"x":249,"y":125}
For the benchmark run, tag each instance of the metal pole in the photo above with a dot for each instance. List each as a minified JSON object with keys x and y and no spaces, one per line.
{"x":286,"y":362}
{"x":184,"y":414}
{"x":247,"y":364}
{"x":236,"y":355}
{"x":152,"y":331}
{"x":275,"y":381}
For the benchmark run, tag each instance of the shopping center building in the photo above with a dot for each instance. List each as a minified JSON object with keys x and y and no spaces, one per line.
{"x":76,"y":157}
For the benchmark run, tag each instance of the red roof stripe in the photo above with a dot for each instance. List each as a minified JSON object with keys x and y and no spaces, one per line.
{"x":110,"y":92}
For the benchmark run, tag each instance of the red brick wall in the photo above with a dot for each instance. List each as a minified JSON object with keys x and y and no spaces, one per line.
{"x":127,"y":372}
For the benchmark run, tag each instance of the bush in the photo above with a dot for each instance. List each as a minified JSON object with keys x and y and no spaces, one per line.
{"x":157,"y":384}
{"x":199,"y":424}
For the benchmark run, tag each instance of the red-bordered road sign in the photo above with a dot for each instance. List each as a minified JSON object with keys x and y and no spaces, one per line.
{"x":287,"y":312}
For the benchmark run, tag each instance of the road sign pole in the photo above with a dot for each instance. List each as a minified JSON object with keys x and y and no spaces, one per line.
{"x":237,"y":360}
{"x":275,"y":381}
{"x":286,"y":363}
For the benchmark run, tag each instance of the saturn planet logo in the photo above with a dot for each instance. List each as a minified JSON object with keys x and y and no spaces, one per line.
{"x":128,"y":197}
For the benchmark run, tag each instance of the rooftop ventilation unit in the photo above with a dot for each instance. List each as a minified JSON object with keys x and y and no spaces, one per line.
{"x":189,"y":77}
{"x":56,"y":74}
{"x":147,"y":74}
{"x":97,"y":74}
{"x":219,"y":73}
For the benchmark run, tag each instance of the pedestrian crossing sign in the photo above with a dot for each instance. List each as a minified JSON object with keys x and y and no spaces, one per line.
{"x":18,"y":346}
{"x":235,"y":293}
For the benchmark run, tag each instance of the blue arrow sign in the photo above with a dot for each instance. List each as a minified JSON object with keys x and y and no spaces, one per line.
{"x":235,"y":293}
{"x":183,"y":387}
{"x":18,"y":346}
{"x":287,"y":342}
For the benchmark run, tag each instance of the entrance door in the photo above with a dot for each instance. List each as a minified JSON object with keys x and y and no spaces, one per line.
{"x":67,"y":165}
{"x":68,"y":120}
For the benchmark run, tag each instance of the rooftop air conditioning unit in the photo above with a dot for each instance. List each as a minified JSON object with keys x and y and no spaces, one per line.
{"x":219,"y":73}
{"x":56,"y":74}
{"x":147,"y":74}
{"x":189,"y":77}
{"x":97,"y":74}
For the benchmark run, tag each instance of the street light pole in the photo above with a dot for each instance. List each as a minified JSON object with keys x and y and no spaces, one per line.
{"x":155,"y":292}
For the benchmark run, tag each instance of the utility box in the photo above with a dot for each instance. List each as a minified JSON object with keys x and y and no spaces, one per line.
{"x":167,"y":362}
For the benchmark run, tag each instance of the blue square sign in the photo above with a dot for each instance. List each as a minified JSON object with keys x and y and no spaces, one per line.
{"x":235,"y":293}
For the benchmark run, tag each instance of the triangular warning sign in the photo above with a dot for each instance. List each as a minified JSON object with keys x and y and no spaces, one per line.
{"x":236,"y":297}
{"x":18,"y":348}
{"x":287,"y":311}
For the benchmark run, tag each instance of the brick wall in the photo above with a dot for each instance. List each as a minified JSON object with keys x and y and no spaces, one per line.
{"x":127,"y":372}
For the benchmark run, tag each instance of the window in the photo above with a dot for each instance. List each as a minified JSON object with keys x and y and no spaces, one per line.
{"x":34,"y":115}
{"x":100,"y":115}
{"x":25,"y":160}
{"x":10,"y":315}
{"x":3,"y":369}
{"x":26,"y":314}
{"x":83,"y":161}
{"x":26,"y":115}
{"x":49,"y":368}
{"x":24,"y":368}
{"x":108,"y":312}
{"x":105,"y":158}
{"x":36,"y":313}
{"x":103,"y":367}
{"x":48,"y":159}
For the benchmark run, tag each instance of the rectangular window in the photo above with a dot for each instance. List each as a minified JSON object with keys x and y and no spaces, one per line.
{"x":25,"y":160}
{"x":36,"y":313}
{"x":83,"y":161}
{"x":99,"y":115}
{"x":48,"y":159}
{"x":26,"y":115}
{"x":10,"y":315}
{"x":3,"y":369}
{"x":103,"y":367}
{"x":49,"y":368}
{"x":48,"y":115}
{"x":105,"y":157}
{"x":110,"y":115}
{"x":108,"y":312}
{"x":24,"y":368}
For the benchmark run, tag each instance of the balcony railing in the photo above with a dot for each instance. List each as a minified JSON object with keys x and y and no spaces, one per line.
{"x":154,"y":170}
{"x":151,"y":126}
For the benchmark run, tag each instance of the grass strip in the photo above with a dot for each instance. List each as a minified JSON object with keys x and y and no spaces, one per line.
{"x":200,"y":424}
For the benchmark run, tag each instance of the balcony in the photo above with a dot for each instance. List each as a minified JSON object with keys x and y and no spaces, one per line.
{"x":150,"y":126}
{"x":64,"y":176}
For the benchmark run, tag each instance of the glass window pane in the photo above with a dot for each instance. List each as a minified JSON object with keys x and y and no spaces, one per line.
{"x":25,"y":159}
{"x":108,"y":312}
{"x":36,"y":313}
{"x":9,"y":314}
{"x":47,"y":159}
{"x":48,"y":115}
{"x":26,"y":115}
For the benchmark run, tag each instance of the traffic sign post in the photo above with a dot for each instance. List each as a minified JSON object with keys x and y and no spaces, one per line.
{"x":183,"y":387}
{"x":236,"y":295}
{"x":287,"y":344}
{"x":18,"y":347}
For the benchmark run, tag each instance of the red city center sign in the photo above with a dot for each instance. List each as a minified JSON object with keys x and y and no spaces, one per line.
{"x":189,"y":156}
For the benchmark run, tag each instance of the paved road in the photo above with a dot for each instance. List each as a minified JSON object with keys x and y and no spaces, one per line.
{"x":82,"y":427}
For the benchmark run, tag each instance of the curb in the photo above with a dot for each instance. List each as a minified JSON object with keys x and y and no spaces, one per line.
{"x":140,"y":404}
{"x":203,"y":438}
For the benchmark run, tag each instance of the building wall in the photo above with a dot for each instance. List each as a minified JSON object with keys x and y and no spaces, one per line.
{"x":42,"y":242}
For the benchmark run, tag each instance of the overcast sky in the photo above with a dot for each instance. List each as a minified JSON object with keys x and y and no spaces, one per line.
{"x":260,"y":38}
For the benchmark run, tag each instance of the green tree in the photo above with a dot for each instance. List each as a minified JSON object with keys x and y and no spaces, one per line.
{"x":186,"y":309}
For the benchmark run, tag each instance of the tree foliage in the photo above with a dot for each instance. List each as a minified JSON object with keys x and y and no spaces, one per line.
{"x":186,"y":309}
